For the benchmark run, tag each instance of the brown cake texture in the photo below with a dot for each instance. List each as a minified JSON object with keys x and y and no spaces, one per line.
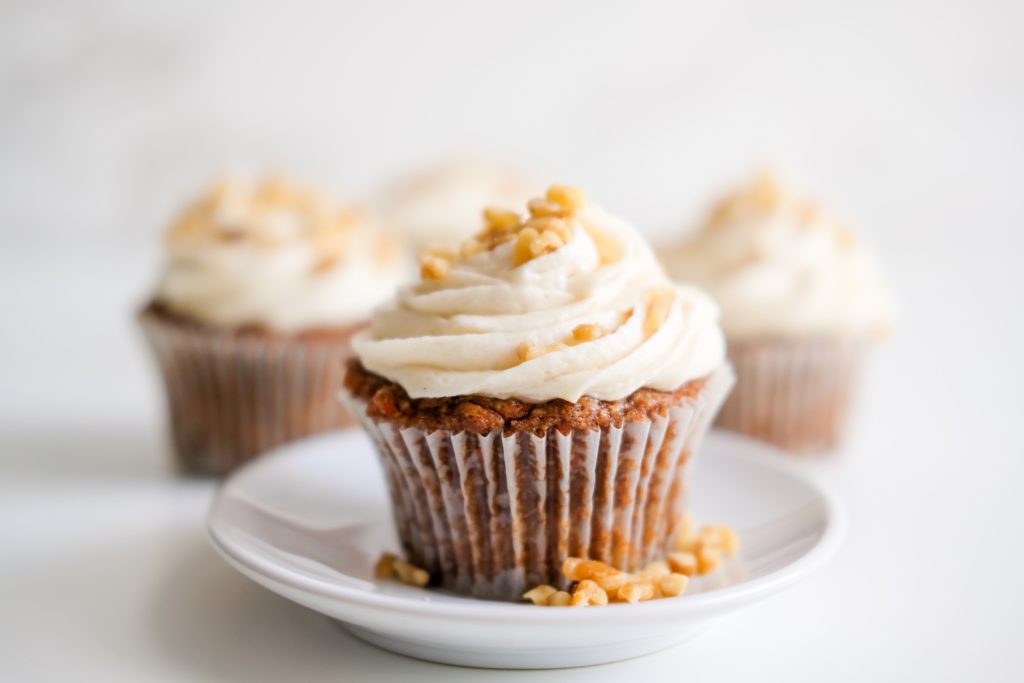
{"x":483,"y":414}
{"x":491,"y":495}
{"x":233,"y":393}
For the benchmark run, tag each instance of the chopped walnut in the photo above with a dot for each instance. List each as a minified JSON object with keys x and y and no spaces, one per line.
{"x":604,"y":575}
{"x":658,"y":307}
{"x":434,"y":266}
{"x":682,"y":562}
{"x":686,"y":532}
{"x":549,"y":596}
{"x":708,"y":545}
{"x":528,"y":350}
{"x":708,"y":559}
{"x":655,"y":570}
{"x":560,"y":599}
{"x":673,"y":585}
{"x":501,"y":219}
{"x":270,"y":213}
{"x":609,"y":248}
{"x":587,"y":332}
{"x":588,"y":593}
{"x":540,"y":594}
{"x":559,"y":226}
{"x":385,"y":567}
{"x":721,"y":537}
{"x":568,"y":196}
{"x":389,"y":566}
{"x":543,"y":207}
{"x":598,"y":583}
{"x":635,"y":591}
{"x":547,"y":229}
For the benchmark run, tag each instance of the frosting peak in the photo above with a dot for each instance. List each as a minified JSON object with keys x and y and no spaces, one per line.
{"x":564,"y":302}
{"x":779,"y":264}
{"x":277,"y":254}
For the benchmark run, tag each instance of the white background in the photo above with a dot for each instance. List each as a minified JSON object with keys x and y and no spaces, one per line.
{"x":908,"y":117}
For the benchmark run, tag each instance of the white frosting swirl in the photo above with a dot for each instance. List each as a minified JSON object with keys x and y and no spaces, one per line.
{"x":276,"y":255}
{"x":440,"y":207}
{"x":466,"y":333}
{"x":778,"y":265}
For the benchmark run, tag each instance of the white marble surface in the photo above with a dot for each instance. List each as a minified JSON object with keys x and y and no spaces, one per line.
{"x":907,"y":116}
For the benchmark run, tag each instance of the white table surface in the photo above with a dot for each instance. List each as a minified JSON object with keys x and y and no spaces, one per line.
{"x":105,"y":572}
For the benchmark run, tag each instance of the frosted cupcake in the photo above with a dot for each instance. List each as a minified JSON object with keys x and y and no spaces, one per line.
{"x":264,"y":285}
{"x":801,"y":300}
{"x":538,"y":394}
{"x":440,"y":207}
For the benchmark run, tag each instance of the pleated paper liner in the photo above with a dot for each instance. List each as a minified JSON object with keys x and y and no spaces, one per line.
{"x":493,"y":515}
{"x":232,"y":395}
{"x":793,"y":393}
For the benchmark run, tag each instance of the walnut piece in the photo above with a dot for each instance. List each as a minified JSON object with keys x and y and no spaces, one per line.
{"x":588,"y":593}
{"x":568,"y":196}
{"x":389,"y":566}
{"x":658,"y":307}
{"x":548,"y":228}
{"x":434,"y":266}
{"x":599,"y":583}
{"x":540,"y":595}
{"x":683,"y":562}
{"x":587,"y":332}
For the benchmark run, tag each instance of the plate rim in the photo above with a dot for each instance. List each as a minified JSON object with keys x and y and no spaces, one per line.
{"x":254,"y":564}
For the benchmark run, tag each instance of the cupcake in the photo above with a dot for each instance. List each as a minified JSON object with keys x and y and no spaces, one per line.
{"x":440,"y":207}
{"x":264,"y":285}
{"x":539,"y":394}
{"x":801,"y":301}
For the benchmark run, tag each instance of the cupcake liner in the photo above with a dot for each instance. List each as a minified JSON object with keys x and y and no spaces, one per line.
{"x":793,"y":393}
{"x":493,"y":515}
{"x":233,"y":395}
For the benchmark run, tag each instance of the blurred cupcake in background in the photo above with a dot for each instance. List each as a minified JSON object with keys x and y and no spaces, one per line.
{"x":801,"y":301}
{"x":440,"y":206}
{"x":537,"y":394}
{"x":263,"y":286}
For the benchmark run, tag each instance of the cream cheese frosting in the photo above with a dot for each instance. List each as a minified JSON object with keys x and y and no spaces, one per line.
{"x":780,"y":265}
{"x":565,"y":303}
{"x":278,"y":255}
{"x":440,"y":207}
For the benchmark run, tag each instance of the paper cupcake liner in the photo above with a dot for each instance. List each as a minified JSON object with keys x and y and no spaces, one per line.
{"x":496,"y":514}
{"x":795,"y":394}
{"x":232,"y":396}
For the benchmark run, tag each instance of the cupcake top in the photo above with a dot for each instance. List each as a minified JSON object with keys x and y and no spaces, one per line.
{"x":440,"y":207}
{"x":566,"y":302}
{"x":780,"y":265}
{"x":278,"y":255}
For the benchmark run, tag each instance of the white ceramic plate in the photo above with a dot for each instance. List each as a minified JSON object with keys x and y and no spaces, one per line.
{"x":309,"y":520}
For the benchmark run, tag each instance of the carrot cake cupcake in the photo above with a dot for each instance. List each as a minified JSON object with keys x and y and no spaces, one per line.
{"x":801,"y":300}
{"x":264,"y":284}
{"x":536,"y":395}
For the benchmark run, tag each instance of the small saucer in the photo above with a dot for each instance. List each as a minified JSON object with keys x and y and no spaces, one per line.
{"x":309,"y":520}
